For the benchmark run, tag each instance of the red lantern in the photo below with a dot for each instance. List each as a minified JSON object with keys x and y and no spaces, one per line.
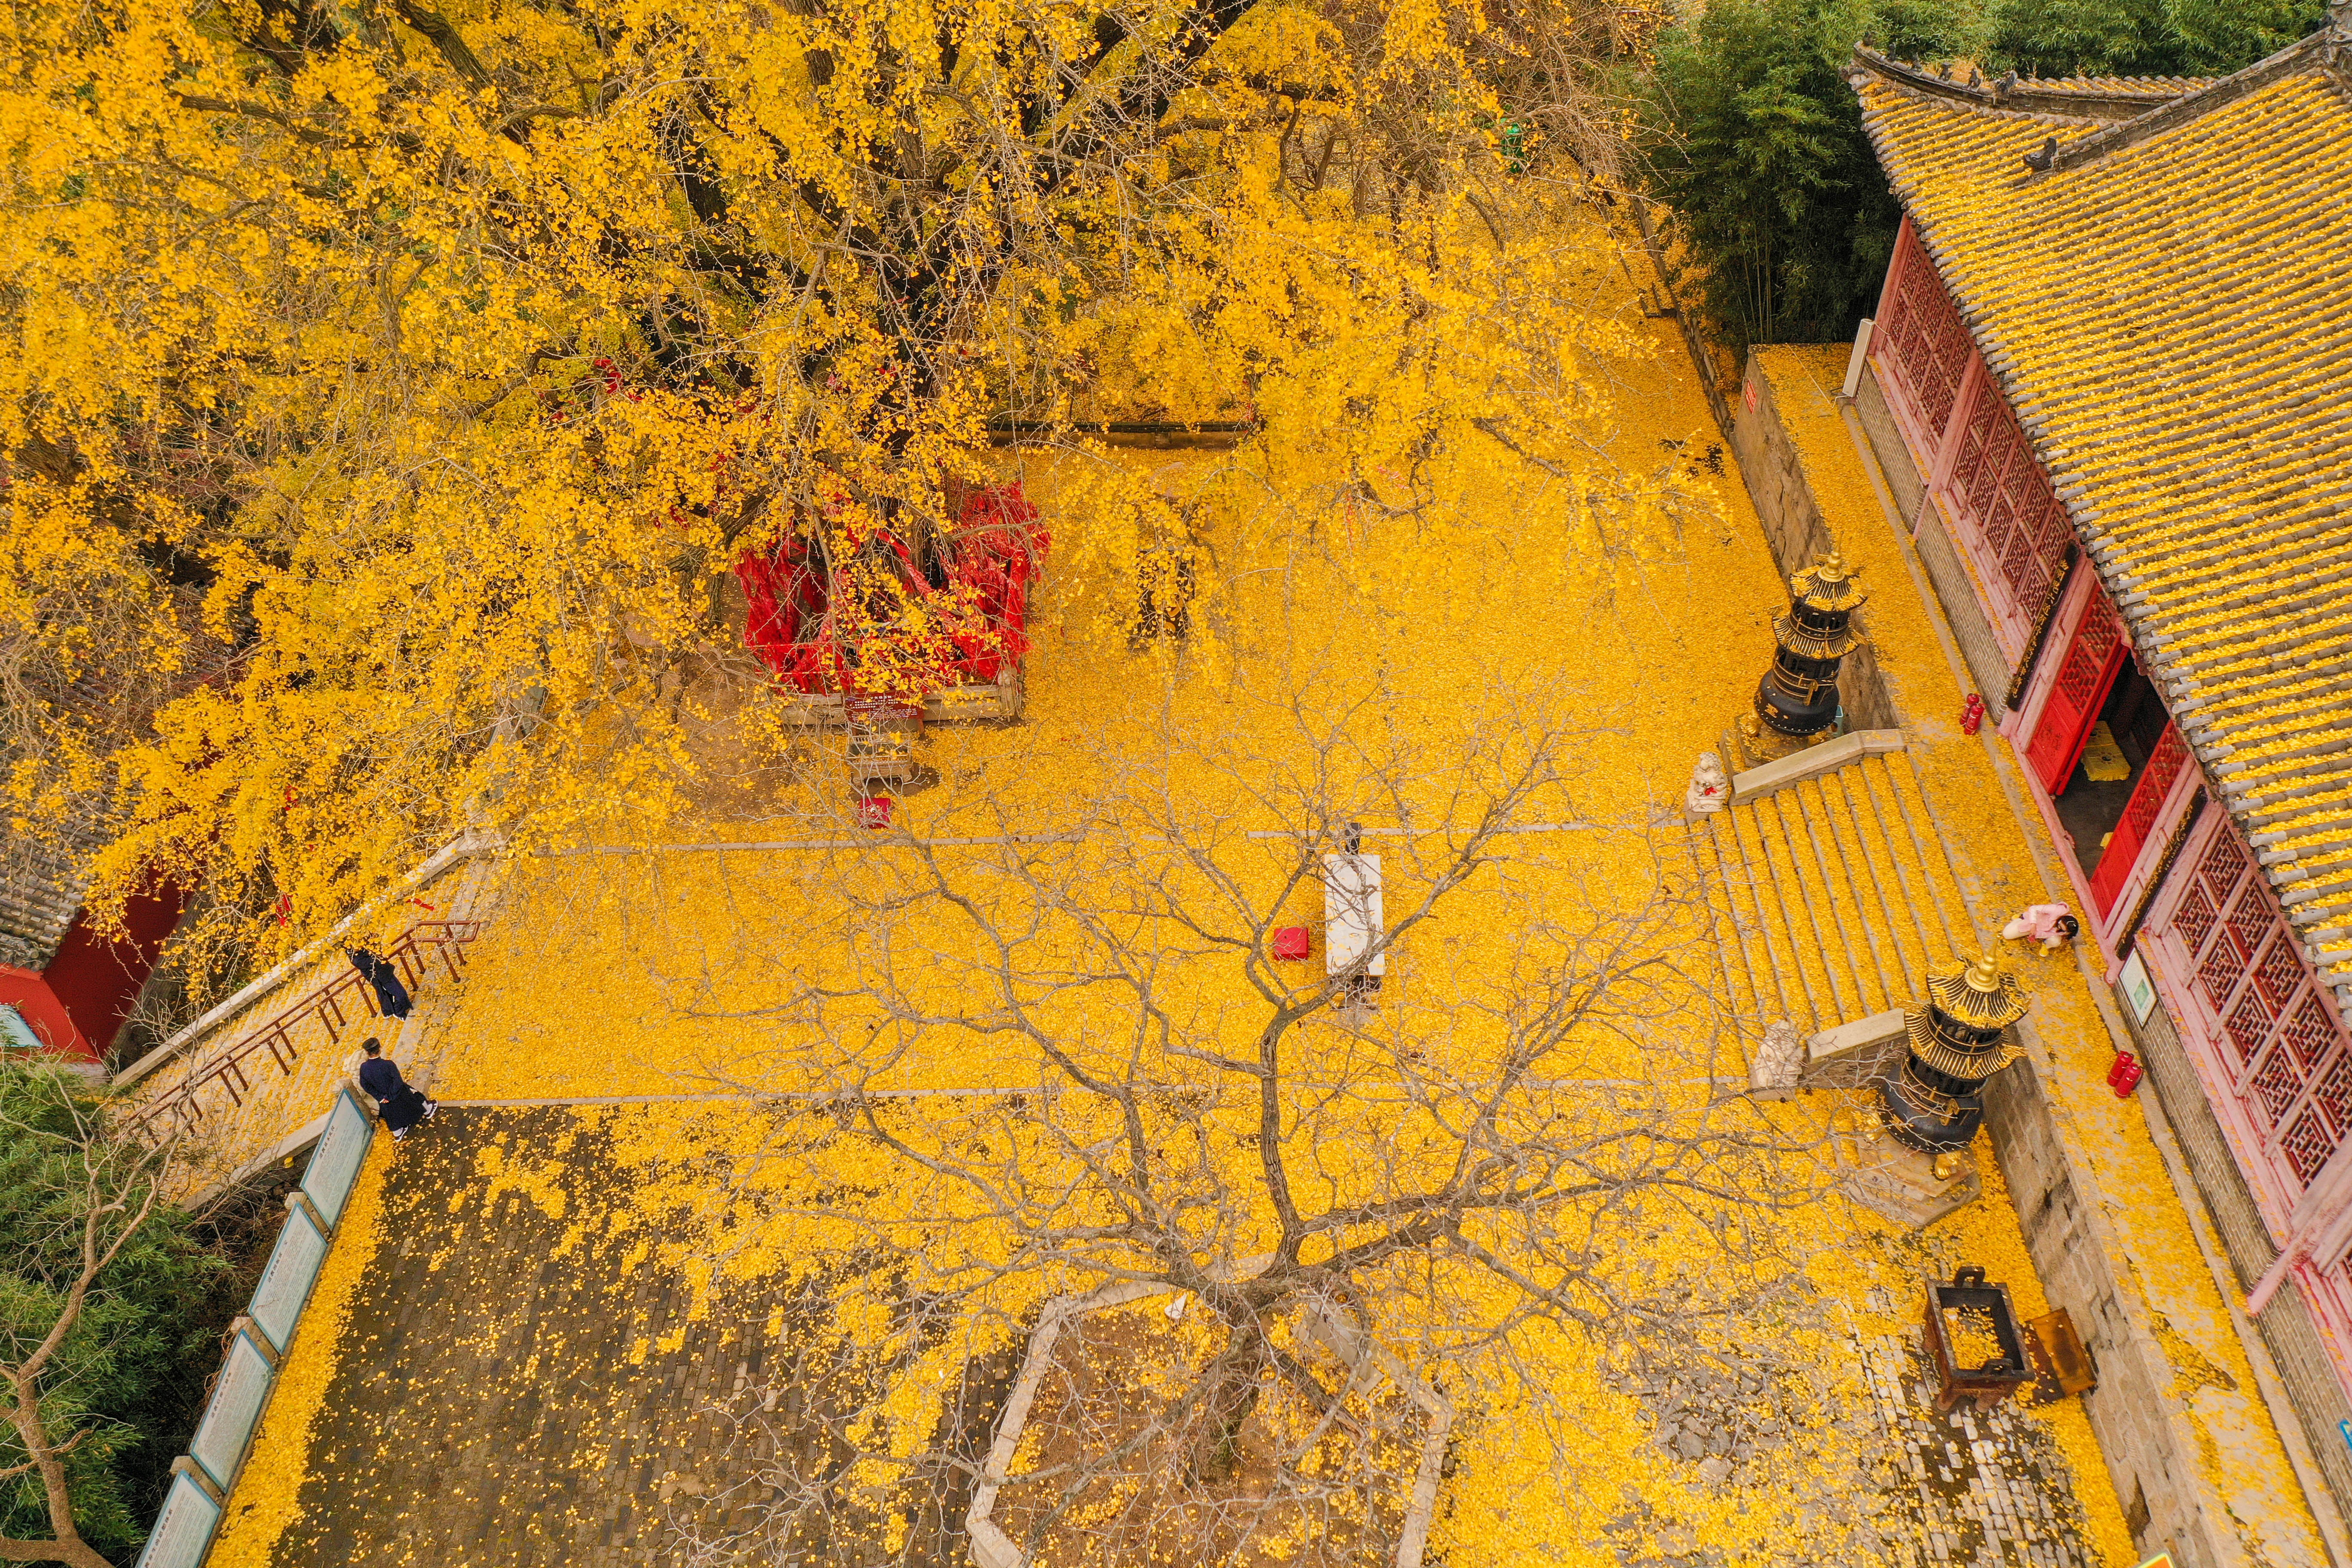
{"x":2124,"y":1076}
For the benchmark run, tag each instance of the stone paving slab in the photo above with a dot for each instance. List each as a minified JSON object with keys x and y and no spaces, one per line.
{"x":509,"y":1392}
{"x":1919,"y":1488}
{"x":516,"y":1387}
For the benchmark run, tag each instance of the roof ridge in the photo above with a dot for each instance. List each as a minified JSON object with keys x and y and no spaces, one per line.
{"x":2035,"y":96}
{"x":2190,"y":106}
{"x":1976,"y":104}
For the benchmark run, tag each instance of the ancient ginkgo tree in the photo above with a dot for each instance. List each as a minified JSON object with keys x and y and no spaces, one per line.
{"x":1090,"y":1066}
{"x":446,"y":362}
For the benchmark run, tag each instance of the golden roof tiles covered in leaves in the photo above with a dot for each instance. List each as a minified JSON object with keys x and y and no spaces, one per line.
{"x":2167,"y":303}
{"x":2155,"y":87}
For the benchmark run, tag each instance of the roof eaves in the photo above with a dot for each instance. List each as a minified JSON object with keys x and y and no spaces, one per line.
{"x":2251,"y":805}
{"x":2099,"y":101}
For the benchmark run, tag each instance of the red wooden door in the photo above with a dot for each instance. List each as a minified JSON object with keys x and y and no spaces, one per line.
{"x":2123,"y":851}
{"x":2094,"y":658}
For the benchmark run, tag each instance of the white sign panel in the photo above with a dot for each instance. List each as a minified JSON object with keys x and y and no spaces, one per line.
{"x":183,"y":1531}
{"x":2139,"y":989}
{"x":335,"y":1167}
{"x":286,"y":1282}
{"x":238,"y":1395}
{"x":1352,"y":911}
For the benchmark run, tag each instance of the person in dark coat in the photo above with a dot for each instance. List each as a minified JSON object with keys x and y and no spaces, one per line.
{"x":401,"y":1106}
{"x":391,"y":995}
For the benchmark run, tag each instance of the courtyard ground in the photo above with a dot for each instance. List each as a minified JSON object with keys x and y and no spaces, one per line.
{"x":546,"y":1334}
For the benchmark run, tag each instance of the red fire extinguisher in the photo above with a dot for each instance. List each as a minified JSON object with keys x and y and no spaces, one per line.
{"x":1972,"y":713}
{"x":2123,"y":1077}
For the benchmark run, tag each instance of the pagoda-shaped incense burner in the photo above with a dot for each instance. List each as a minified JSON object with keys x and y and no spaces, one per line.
{"x":1797,"y":703}
{"x":1932,"y":1101}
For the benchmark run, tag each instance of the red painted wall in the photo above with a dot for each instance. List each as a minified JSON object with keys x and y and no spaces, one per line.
{"x":97,"y":980}
{"x":30,"y":995}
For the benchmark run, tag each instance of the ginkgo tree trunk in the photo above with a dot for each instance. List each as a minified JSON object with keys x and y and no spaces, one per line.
{"x":1053,"y":1064}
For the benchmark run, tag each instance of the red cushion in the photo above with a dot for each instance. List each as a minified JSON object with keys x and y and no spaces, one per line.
{"x":1291,"y":942}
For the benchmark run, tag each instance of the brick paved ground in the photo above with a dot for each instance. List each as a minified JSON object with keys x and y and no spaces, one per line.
{"x":1981,"y":1490}
{"x":1935,"y":1490}
{"x":485,"y":1411}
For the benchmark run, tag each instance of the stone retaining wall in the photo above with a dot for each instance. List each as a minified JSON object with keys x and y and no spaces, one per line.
{"x":2169,"y":1501}
{"x":2059,"y":1207}
{"x":1963,"y":611}
{"x":1794,"y":528}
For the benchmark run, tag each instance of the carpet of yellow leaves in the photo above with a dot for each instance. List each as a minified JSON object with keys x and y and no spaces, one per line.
{"x":2011,"y":852}
{"x":267,"y":1494}
{"x":1642,"y":613}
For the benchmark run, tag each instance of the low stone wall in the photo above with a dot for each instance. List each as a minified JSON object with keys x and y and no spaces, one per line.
{"x":2058,"y":1208}
{"x":1794,"y":528}
{"x":1964,"y":612}
{"x":1902,"y":475}
{"x":2294,"y":1339}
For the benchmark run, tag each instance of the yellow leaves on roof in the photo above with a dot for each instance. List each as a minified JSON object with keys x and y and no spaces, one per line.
{"x":2173,"y":316}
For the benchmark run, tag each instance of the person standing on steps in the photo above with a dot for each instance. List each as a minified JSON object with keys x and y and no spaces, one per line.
{"x":401,"y":1106}
{"x":383,"y":975}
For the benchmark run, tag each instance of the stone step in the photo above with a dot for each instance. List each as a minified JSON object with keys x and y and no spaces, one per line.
{"x":1831,"y":895}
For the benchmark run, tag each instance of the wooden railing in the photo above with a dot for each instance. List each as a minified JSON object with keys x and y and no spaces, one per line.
{"x":176,"y":1112}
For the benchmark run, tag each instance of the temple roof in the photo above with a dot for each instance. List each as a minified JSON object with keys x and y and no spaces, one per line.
{"x":41,"y":887}
{"x":2166,"y":299}
{"x":44,"y":874}
{"x":2155,"y":87}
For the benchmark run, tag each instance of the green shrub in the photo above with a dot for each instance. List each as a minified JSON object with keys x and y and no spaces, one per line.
{"x":1750,"y":134}
{"x":131,"y":1370}
{"x":1753,"y":137}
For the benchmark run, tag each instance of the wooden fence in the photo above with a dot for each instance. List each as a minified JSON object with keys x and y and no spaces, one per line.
{"x":176,"y":1112}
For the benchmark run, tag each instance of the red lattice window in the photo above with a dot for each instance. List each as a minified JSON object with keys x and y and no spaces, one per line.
{"x":2250,"y":1021}
{"x":2128,"y":847}
{"x":2334,"y":1094}
{"x":2086,"y":660}
{"x":2194,"y":918}
{"x":2021,"y":565}
{"x":2278,"y":972}
{"x":1977,"y":475}
{"x":2277,"y":1083}
{"x":2164,"y":767}
{"x":2307,"y":1144}
{"x":2054,"y":534}
{"x":1923,"y":339}
{"x":2001,"y":531}
{"x":2252,"y":917}
{"x":2286,"y":1054}
{"x":2220,"y":972}
{"x":2094,"y":658}
{"x":2225,"y":862}
{"x":2014,"y":522}
{"x":2311,"y":1031}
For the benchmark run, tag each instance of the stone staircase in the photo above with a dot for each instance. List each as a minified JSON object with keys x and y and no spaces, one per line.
{"x":1831,"y":890}
{"x":1830,"y":887}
